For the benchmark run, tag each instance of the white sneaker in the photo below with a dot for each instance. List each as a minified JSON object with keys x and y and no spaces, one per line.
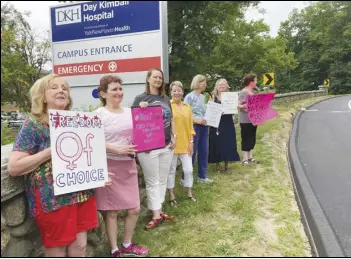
{"x":206,"y":180}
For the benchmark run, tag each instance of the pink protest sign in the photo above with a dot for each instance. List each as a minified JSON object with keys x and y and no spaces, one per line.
{"x":148,"y":128}
{"x":259,"y":108}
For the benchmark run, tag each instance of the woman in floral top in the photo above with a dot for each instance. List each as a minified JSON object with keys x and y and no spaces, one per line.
{"x":63,"y":220}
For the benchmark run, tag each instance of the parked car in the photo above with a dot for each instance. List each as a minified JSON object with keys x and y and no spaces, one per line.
{"x":16,"y":120}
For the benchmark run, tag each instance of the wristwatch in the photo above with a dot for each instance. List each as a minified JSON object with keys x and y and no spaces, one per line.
{"x":174,"y":135}
{"x":191,"y":141}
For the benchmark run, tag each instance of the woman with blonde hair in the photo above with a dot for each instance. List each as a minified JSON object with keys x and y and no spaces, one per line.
{"x":182,"y":115}
{"x":63,"y":220}
{"x":222,"y":143}
{"x":196,"y":100}
{"x":156,"y":164}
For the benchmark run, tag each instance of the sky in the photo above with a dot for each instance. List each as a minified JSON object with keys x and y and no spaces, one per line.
{"x":276,"y":12}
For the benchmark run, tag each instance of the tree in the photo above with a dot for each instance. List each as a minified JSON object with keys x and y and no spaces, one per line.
{"x":320,"y":35}
{"x":24,"y":52}
{"x":195,"y":29}
{"x":246,"y":47}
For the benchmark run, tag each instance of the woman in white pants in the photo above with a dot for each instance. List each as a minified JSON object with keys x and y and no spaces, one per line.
{"x":182,"y":116}
{"x":156,"y":164}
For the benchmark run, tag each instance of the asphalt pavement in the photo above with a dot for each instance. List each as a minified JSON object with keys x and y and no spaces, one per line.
{"x":323,"y":145}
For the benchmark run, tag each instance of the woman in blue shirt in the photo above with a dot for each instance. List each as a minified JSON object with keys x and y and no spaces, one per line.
{"x":196,"y":100}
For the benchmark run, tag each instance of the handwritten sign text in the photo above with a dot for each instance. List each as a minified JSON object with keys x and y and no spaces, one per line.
{"x":148,"y":128}
{"x":259,"y":108}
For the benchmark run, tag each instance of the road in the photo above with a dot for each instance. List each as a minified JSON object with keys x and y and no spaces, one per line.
{"x":324,"y":147}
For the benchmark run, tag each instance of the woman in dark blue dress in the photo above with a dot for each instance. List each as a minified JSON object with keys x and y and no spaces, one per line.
{"x":222,"y":142}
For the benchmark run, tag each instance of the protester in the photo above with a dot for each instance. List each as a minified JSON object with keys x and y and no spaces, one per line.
{"x":248,"y":130}
{"x":222,"y":142}
{"x":156,"y":163}
{"x":182,"y":115}
{"x":196,"y":100}
{"x":124,"y":193}
{"x":63,"y":220}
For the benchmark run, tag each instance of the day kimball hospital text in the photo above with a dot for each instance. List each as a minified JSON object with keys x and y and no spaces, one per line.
{"x":75,"y":14}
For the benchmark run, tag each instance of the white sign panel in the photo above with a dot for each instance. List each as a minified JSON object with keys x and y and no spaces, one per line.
{"x":230,"y":101}
{"x":95,"y":38}
{"x":78,"y":151}
{"x":213,"y":114}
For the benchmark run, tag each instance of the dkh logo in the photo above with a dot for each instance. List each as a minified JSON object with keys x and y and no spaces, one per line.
{"x":68,"y":15}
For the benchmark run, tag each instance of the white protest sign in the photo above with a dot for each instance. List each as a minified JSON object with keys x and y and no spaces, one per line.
{"x":78,"y":151}
{"x":230,"y":101}
{"x":213,"y":114}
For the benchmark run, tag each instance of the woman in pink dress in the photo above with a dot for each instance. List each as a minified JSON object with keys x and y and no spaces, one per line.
{"x":123,"y":194}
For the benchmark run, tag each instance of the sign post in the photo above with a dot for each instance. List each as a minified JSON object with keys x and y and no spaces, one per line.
{"x":95,"y":38}
{"x":326,"y":82}
{"x":268,"y":79}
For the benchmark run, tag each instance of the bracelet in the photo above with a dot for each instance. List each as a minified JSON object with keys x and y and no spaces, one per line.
{"x":192,"y":141}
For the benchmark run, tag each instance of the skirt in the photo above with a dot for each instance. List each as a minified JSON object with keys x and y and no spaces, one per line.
{"x":123,"y":194}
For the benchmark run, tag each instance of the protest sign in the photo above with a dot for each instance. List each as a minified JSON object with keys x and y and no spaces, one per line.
{"x":213,"y":114}
{"x":148,"y":128}
{"x":78,"y":151}
{"x":259,"y":109}
{"x":230,"y":102}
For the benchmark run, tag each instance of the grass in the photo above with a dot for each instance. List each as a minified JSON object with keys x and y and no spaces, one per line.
{"x":249,"y":212}
{"x":7,"y":135}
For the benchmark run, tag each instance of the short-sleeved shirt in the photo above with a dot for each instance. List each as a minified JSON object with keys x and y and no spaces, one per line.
{"x":197,"y":103}
{"x":243,"y":115}
{"x":118,"y":129}
{"x":184,"y":127}
{"x":33,"y":137}
{"x":165,"y":103}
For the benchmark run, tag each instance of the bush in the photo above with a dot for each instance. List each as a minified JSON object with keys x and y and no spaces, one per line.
{"x":7,"y":136}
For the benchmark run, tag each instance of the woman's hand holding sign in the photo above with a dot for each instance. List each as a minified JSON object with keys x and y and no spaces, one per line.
{"x":109,"y":181}
{"x":144,"y":104}
{"x":127,"y":150}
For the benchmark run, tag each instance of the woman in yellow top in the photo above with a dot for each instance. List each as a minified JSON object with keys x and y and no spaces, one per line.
{"x":183,"y":118}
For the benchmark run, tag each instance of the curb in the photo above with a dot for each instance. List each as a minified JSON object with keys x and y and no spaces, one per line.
{"x":321,"y":235}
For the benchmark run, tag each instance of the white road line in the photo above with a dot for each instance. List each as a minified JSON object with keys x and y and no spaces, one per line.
{"x":350,"y":104}
{"x":340,"y":111}
{"x":312,"y":110}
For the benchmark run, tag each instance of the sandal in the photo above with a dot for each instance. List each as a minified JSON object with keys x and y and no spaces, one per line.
{"x":153,"y":223}
{"x":166,"y":217}
{"x":253,"y":160}
{"x":192,"y":199}
{"x":173,"y":203}
{"x":245,"y":162}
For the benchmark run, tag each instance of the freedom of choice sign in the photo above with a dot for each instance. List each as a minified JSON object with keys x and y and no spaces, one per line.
{"x":92,"y":39}
{"x":78,"y":151}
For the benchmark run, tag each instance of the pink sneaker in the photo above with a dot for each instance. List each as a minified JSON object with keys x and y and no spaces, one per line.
{"x":134,"y":249}
{"x":116,"y":254}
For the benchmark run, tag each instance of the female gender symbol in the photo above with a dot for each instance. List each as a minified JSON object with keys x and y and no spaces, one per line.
{"x":70,"y":159}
